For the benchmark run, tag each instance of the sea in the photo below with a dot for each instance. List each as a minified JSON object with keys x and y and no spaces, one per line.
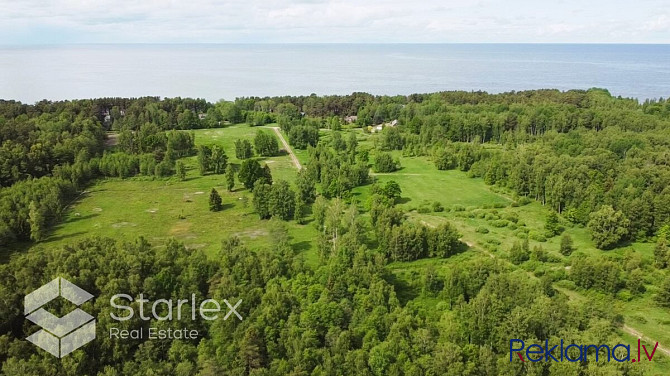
{"x":228,"y":71}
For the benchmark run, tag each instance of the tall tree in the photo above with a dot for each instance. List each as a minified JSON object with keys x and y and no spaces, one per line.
{"x":608,"y":227}
{"x":282,"y":200}
{"x":230,"y":177}
{"x":215,"y":202}
{"x":218,"y":160}
{"x":204,"y":159}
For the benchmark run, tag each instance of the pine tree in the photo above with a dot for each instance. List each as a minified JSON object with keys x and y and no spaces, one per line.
{"x":566,"y":245}
{"x":204,"y":159}
{"x":663,"y":297}
{"x":181,"y":170}
{"x":230,"y":177}
{"x":552,"y":225}
{"x":37,"y":222}
{"x":215,"y":202}
{"x":300,"y":210}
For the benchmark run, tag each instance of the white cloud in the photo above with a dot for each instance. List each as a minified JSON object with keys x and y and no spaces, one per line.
{"x":127,"y":21}
{"x":660,"y":23}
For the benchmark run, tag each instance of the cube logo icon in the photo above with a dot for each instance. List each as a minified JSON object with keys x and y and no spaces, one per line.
{"x":59,"y":336}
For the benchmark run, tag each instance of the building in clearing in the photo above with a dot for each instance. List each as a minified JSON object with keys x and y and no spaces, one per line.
{"x":351,"y":119}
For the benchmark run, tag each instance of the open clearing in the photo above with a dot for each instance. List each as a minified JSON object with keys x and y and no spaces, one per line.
{"x":160,"y":209}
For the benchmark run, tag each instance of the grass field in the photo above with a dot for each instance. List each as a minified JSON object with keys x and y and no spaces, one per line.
{"x":160,"y":209}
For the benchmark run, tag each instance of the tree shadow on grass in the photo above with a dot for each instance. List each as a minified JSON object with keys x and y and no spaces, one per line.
{"x":403,"y":200}
{"x":77,"y":218}
{"x":404,"y":291}
{"x":302,"y":246}
{"x":65,"y":236}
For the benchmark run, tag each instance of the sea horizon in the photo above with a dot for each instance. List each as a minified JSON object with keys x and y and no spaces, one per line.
{"x":30,"y":73}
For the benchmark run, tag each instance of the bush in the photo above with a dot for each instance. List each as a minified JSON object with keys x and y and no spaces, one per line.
{"x":512,"y":217}
{"x":437,"y":207}
{"x":423,"y":209}
{"x":385,"y":163}
{"x":524,"y":201}
{"x":566,"y":248}
{"x":537,"y":237}
{"x":482,"y":230}
{"x":498,"y":205}
{"x":500,"y":223}
{"x":491,"y":217}
{"x":458,"y":208}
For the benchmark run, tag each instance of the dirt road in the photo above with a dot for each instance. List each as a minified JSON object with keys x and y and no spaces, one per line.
{"x":288,"y":149}
{"x":637,"y":334}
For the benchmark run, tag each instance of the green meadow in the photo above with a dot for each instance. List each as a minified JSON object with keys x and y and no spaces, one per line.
{"x":489,"y":219}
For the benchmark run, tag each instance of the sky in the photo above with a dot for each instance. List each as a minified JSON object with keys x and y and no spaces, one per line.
{"x":37,"y":22}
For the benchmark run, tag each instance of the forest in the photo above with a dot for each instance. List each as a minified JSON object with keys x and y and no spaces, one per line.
{"x":577,"y":239}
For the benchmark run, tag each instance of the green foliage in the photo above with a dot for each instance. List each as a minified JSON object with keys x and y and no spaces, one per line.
{"x":482,"y":230}
{"x":608,"y":227}
{"x":519,"y":253}
{"x":261,"y":201}
{"x":590,"y":272}
{"x":663,"y":296}
{"x":180,"y":170}
{"x":282,"y":200}
{"x":251,"y":171}
{"x":384,"y":163}
{"x":243,"y":149}
{"x":567,"y":246}
{"x":215,"y":202}
{"x":552,"y":224}
{"x":391,"y":189}
{"x":230,"y":177}
{"x":219,"y":160}
{"x":37,"y":222}
{"x":437,"y":207}
{"x":266,"y":144}
{"x":204,"y":159}
{"x":306,"y":183}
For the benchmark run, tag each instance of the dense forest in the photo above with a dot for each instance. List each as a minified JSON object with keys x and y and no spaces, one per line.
{"x":590,"y":159}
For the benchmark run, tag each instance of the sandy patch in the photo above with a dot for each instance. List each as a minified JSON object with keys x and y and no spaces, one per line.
{"x":97,"y":210}
{"x":252,"y":234}
{"x":152,"y":211}
{"x":199,"y":193}
{"x":181,"y":228}
{"x":124,"y":224}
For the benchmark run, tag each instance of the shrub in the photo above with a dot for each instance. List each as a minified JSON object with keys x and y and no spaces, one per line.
{"x":385,"y":163}
{"x":499,"y":223}
{"x":437,"y":207}
{"x":424,"y":209}
{"x":537,"y":237}
{"x":482,"y":230}
{"x":566,"y":248}
{"x":458,"y":208}
{"x":512,"y":217}
{"x":524,"y":201}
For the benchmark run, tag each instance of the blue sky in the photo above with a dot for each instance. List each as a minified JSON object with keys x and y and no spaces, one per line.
{"x":343,"y":21}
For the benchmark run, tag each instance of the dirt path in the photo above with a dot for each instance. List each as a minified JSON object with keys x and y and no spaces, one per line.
{"x":288,"y":149}
{"x":637,"y":334}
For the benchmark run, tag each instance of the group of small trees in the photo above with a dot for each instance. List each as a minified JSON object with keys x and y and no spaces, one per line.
{"x":251,"y":171}
{"x":243,"y":149}
{"x":212,"y":159}
{"x":266,"y":144}
{"x":384,"y":162}
{"x":277,"y":200}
